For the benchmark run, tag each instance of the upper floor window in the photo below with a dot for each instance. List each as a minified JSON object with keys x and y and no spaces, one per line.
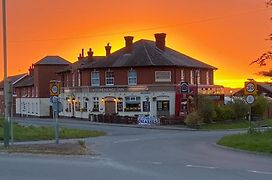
{"x":207,"y":78}
{"x":73,"y":79}
{"x":192,"y":77}
{"x":182,"y":77}
{"x":79,"y":78}
{"x":109,"y":78}
{"x":197,"y":74}
{"x":132,"y":77}
{"x":162,"y":76}
{"x":95,"y":81}
{"x":67,"y":80}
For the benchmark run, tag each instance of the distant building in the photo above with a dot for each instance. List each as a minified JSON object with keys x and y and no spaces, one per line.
{"x":139,"y":79}
{"x":263,"y":88}
{"x":32,"y":92}
{"x":14,"y":80}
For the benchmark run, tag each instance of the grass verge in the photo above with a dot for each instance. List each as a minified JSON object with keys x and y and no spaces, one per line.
{"x":35,"y":133}
{"x":234,"y":124}
{"x":256,"y":141}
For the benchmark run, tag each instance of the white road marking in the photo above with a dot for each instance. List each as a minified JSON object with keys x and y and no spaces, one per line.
{"x":126,"y":140}
{"x":197,"y":166}
{"x":259,"y":172}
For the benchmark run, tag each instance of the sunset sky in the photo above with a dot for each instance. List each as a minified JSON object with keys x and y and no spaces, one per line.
{"x":227,"y":34}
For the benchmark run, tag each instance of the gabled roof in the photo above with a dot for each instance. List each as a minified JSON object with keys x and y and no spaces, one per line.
{"x":25,"y":82}
{"x":52,"y":60}
{"x":14,"y":79}
{"x":145,"y":53}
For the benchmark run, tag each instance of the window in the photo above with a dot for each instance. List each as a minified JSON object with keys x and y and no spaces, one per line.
{"x":146,"y":106}
{"x":192,"y":77}
{"x":120,"y":105}
{"x":197,"y":73}
{"x":182,"y":77}
{"x":73,"y":79}
{"x":79,"y":77}
{"x":109,"y":78}
{"x":67,"y":80}
{"x":133,"y":104}
{"x":132,"y":77}
{"x":163,"y":76}
{"x":95,"y":104}
{"x":207,"y":78}
{"x":95,"y":81}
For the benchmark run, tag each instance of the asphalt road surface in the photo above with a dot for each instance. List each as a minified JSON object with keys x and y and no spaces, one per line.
{"x":141,"y":154}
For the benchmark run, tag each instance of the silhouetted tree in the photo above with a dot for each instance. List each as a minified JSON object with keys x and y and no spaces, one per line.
{"x":267,"y":55}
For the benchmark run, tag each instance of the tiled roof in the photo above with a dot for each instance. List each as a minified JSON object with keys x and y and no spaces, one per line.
{"x":52,"y":60}
{"x":26,"y":82}
{"x":80,"y":63}
{"x":14,"y":79}
{"x":145,"y":53}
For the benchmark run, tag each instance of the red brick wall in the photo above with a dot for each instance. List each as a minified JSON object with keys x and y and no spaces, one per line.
{"x":42,"y":76}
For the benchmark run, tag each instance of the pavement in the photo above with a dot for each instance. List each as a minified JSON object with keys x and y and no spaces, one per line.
{"x":141,"y":153}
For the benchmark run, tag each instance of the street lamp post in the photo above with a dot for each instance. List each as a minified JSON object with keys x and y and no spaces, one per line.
{"x":6,"y":83}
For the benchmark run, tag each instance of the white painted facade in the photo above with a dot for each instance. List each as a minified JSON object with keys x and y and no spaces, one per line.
{"x":82,"y":104}
{"x":39,"y":107}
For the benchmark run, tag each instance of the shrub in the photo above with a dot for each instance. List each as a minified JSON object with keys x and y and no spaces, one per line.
{"x":206,"y":109}
{"x":193,"y":119}
{"x":224,"y":112}
{"x":259,"y":106}
{"x":240,"y":109}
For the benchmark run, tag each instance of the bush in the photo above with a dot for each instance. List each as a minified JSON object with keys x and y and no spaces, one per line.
{"x":224,"y":112}
{"x":240,"y":109}
{"x":193,"y":119}
{"x":206,"y":109}
{"x":259,"y":106}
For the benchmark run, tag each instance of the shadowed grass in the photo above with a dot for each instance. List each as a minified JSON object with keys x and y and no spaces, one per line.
{"x":257,"y":141}
{"x":34,"y":133}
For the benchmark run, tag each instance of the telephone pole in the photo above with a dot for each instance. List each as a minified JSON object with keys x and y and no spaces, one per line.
{"x":6,"y":83}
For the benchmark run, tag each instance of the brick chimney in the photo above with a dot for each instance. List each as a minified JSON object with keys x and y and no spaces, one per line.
{"x":108,"y":49}
{"x":31,"y":70}
{"x":81,"y":55}
{"x":129,"y":43}
{"x":90,"y":54}
{"x":160,"y":40}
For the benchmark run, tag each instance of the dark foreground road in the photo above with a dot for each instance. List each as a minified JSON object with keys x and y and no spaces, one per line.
{"x":141,"y":154}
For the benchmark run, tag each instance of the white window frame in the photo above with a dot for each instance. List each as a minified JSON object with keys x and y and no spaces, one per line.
{"x":192,"y":78}
{"x":207,"y":77}
{"x":73,"y":79}
{"x":197,"y":74}
{"x":161,"y":79}
{"x":182,"y":77}
{"x":132,"y":77}
{"x":79,"y":77}
{"x":93,"y":78}
{"x":109,"y":80}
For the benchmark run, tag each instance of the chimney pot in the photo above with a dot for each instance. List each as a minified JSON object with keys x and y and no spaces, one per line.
{"x":160,"y":40}
{"x":82,"y":54}
{"x":108,"y":49}
{"x":129,"y":43}
{"x":90,"y":54}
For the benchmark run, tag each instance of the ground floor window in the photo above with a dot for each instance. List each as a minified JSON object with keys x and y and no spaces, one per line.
{"x":163,"y":105}
{"x":95,"y":104}
{"x":146,"y":106}
{"x":133,"y":104}
{"x":120,"y":104}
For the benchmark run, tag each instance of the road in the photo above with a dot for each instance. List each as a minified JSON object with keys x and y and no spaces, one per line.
{"x":141,"y":154}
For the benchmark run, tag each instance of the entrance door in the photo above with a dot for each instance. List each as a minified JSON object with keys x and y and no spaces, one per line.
{"x":163,"y":108}
{"x":110,"y":107}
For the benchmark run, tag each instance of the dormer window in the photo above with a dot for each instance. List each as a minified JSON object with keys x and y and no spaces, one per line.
{"x":109,"y":78}
{"x":132,"y":77}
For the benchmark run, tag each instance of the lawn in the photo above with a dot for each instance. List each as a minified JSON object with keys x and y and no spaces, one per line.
{"x":257,"y":141}
{"x":235,"y":124}
{"x":35,"y":133}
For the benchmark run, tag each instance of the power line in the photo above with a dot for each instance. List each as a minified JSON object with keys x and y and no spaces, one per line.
{"x":145,"y":29}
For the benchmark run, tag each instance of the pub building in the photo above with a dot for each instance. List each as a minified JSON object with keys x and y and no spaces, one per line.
{"x":138,"y":79}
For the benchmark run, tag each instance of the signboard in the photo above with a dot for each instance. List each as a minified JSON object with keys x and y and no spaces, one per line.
{"x":184,"y":87}
{"x":54,"y":88}
{"x":250,"y":99}
{"x":250,"y":87}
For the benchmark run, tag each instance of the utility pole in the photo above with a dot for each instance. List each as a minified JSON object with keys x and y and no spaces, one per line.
{"x":6,"y":83}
